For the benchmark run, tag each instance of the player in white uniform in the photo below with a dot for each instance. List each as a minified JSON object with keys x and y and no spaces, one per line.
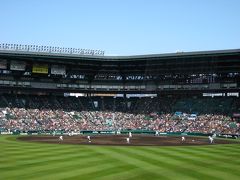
{"x":128,"y":140}
{"x":130,"y":134}
{"x":89,"y":138}
{"x":210,"y":139}
{"x":60,"y":138}
{"x":183,"y":139}
{"x":214,"y":135}
{"x":156,"y":133}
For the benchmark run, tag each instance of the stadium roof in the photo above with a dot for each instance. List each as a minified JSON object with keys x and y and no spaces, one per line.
{"x":122,"y":58}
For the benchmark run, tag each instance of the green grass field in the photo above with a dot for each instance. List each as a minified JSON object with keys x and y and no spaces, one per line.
{"x":24,"y":160}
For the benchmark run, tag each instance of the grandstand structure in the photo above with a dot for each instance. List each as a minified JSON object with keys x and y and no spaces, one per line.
{"x":173,"y":73}
{"x":36,"y":90}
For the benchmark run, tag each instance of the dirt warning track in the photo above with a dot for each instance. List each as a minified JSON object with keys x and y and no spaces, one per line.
{"x":121,"y":140}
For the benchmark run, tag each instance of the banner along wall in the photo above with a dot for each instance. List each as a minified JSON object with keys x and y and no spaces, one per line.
{"x":40,"y":68}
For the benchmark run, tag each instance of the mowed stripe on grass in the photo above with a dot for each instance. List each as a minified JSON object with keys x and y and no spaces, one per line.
{"x":26,"y":160}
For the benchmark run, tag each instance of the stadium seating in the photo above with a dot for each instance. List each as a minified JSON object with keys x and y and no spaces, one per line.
{"x":28,"y":112}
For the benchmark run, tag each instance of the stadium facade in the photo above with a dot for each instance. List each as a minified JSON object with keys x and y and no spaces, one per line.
{"x":173,"y":73}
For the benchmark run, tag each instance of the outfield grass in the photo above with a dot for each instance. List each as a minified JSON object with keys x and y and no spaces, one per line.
{"x":25,"y":160}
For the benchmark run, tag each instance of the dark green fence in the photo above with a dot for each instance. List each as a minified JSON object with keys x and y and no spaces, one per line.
{"x":112,"y":132}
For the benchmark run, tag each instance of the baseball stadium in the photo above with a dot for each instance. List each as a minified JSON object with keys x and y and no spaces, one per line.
{"x":70,"y":113}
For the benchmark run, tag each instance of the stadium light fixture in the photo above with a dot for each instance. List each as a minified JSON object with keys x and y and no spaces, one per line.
{"x":50,"y":49}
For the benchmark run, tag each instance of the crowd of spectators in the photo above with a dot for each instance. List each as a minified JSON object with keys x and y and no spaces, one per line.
{"x":36,"y":119}
{"x":39,"y":114}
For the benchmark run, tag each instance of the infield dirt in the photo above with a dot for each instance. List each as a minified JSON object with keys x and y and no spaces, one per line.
{"x":120,"y":140}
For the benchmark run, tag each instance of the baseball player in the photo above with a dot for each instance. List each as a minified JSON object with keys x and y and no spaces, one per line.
{"x":130,"y":134}
{"x":210,"y":139}
{"x":156,"y":133}
{"x":60,"y":138}
{"x":214,"y":135}
{"x":183,"y":139}
{"x":128,"y":140}
{"x":89,"y":138}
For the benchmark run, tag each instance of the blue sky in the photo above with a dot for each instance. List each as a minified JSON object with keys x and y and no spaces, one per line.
{"x":123,"y":27}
